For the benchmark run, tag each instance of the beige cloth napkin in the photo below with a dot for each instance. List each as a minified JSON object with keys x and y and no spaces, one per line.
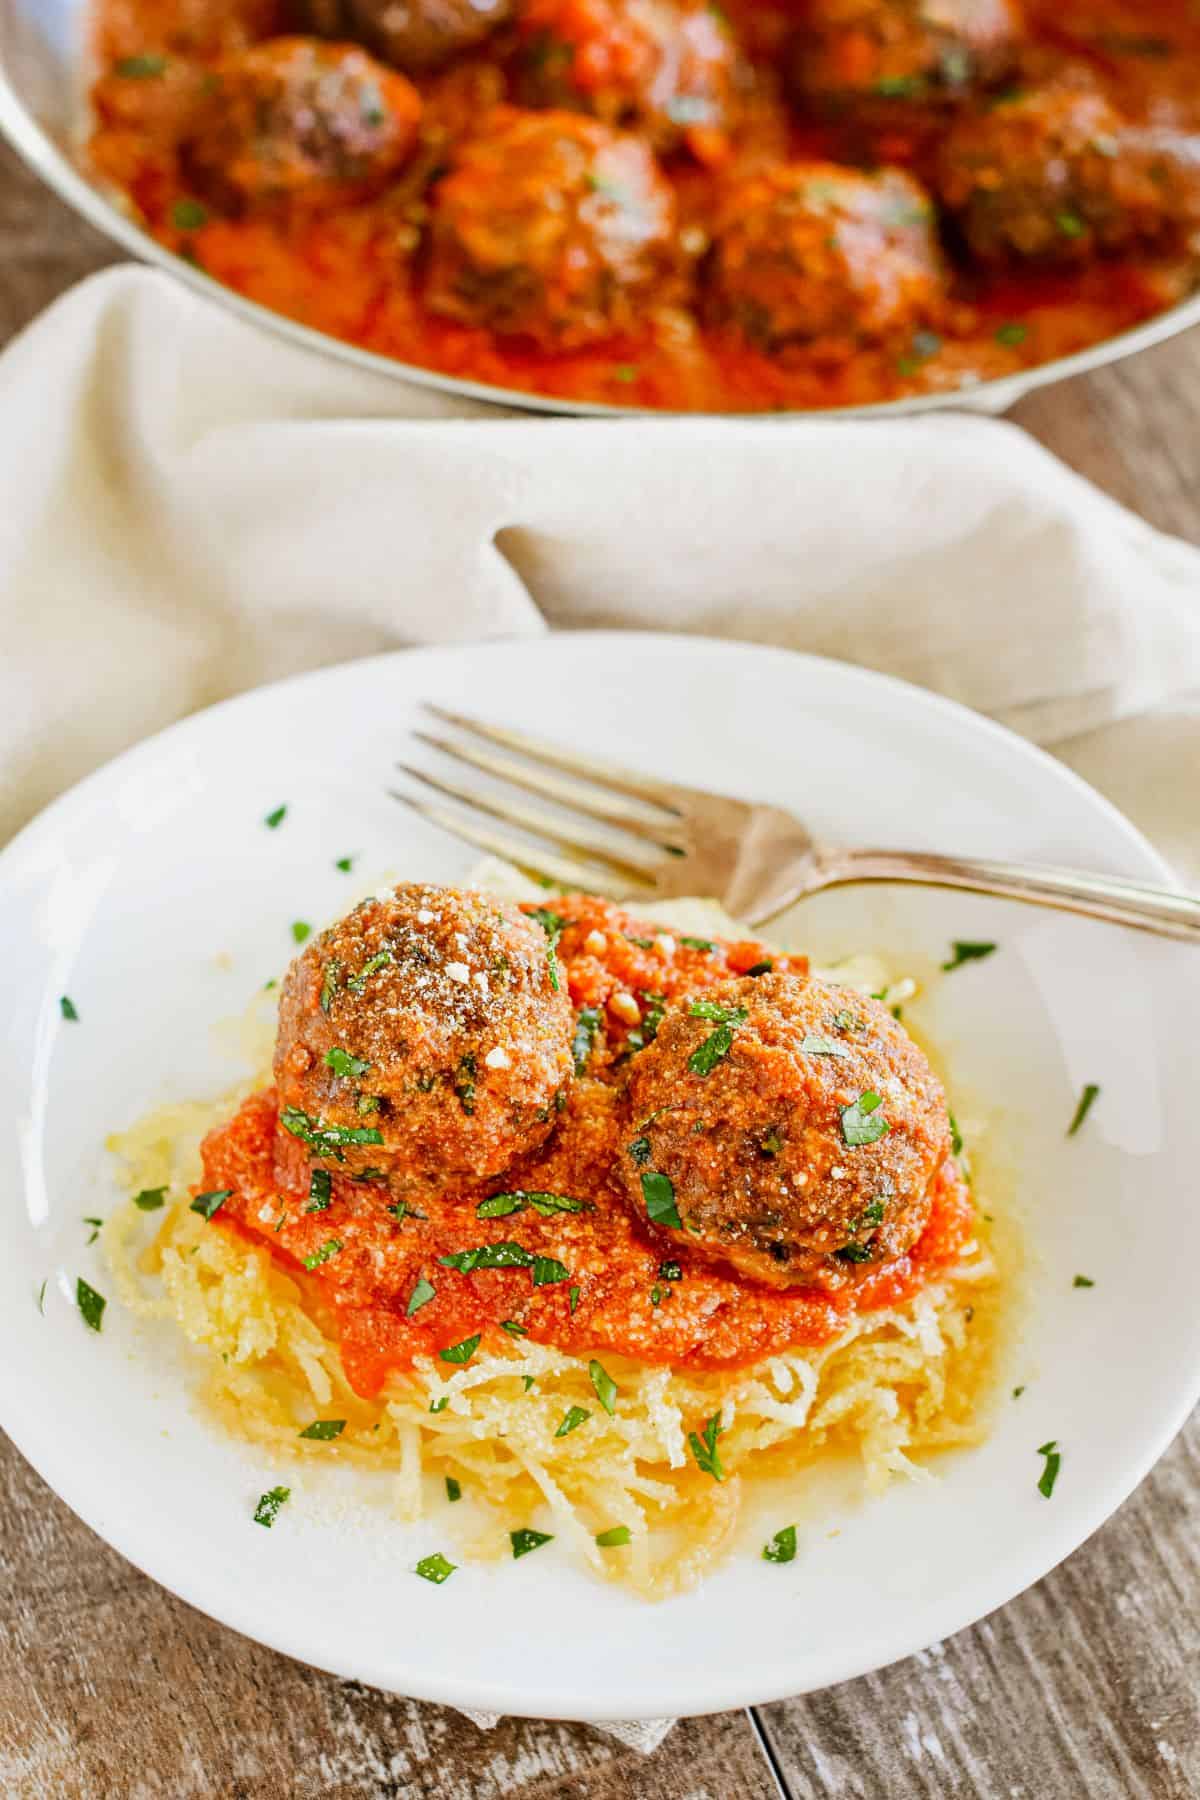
{"x":189,"y":508}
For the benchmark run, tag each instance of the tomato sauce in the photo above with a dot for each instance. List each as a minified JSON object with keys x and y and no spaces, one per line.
{"x":586,"y":1281}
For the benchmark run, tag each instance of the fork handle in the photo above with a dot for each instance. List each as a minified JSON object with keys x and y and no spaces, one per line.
{"x":1161,"y":910}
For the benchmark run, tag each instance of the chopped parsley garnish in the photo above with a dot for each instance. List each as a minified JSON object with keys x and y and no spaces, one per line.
{"x":587,"y":1025}
{"x":640,"y":1151}
{"x":1083,"y":1281}
{"x":326,"y":1140}
{"x":614,"y":1537}
{"x":514,"y":1328}
{"x":143,"y":68}
{"x":553,"y":924}
{"x":573,"y":1298}
{"x":899,"y":87}
{"x":1018,"y":1391}
{"x":301,"y":929}
{"x":965,"y":952}
{"x":150,"y":1199}
{"x":320,"y":1190}
{"x":488,"y":1256}
{"x":548,"y":1271}
{"x":1070,"y":224}
{"x":453,"y":1488}
{"x":501,"y":1206}
{"x":872,"y":1213}
{"x":324,"y":1430}
{"x":67,"y":1008}
{"x":1011,"y":335}
{"x":329,"y":986}
{"x":344,"y":863}
{"x":342,"y":1063}
{"x":653,"y":1008}
{"x":421,"y":1295}
{"x":863,"y":1121}
{"x":440,"y":1405}
{"x":91,"y":1304}
{"x":606,"y":1388}
{"x":524,"y":1541}
{"x":713,"y":1050}
{"x":275,"y":819}
{"x":380,"y":1175}
{"x":1049,"y":1474}
{"x":659,"y":1195}
{"x":328,"y":1249}
{"x":435,"y":1568}
{"x":373,"y":964}
{"x":956,"y":1141}
{"x":855,"y":1253}
{"x":822,"y":1046}
{"x":670,"y":1271}
{"x":698,"y":943}
{"x":211,"y":1203}
{"x":643,"y":943}
{"x":704,"y":1448}
{"x":41,"y":1299}
{"x":267,"y":1510}
{"x":461,"y":1352}
{"x":761,"y":968}
{"x":528,"y":1380}
{"x":95,"y":1225}
{"x":717,"y":1012}
{"x":464,"y":1086}
{"x":782,"y":1547}
{"x":572,"y":1419}
{"x":1086,"y":1099}
{"x":188,"y":214}
{"x":400,"y":1209}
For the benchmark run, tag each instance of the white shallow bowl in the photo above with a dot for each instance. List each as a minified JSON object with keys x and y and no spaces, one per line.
{"x":127,"y":891}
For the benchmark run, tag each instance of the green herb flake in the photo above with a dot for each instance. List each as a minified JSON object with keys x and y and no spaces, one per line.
{"x":1070,"y":224}
{"x":717,"y":1012}
{"x":614,"y":1537}
{"x":66,"y":1007}
{"x":965,"y":952}
{"x":548,"y":1271}
{"x":761,"y":968}
{"x":1083,"y":1281}
{"x":435,"y":1568}
{"x":188,"y":214}
{"x":670,"y":1271}
{"x":782,"y":1547}
{"x":142,"y":68}
{"x":323,"y":1431}
{"x":553,"y":924}
{"x":461,"y":1352}
{"x":320,"y":1190}
{"x":267,"y":1510}
{"x":372,"y":966}
{"x":587,"y":1027}
{"x":606,"y":1388}
{"x":514,"y":1328}
{"x":208,"y":1205}
{"x":714,"y":1049}
{"x":328,"y":1250}
{"x":956,"y":1140}
{"x":91,"y":1304}
{"x":41,"y":1299}
{"x":1089,"y":1095}
{"x":342,"y":1063}
{"x":855,"y":1253}
{"x":440,"y":1405}
{"x":659,"y":1196}
{"x":503,"y":1255}
{"x":329,"y":986}
{"x":572,"y":1419}
{"x":640,"y":1151}
{"x":301,"y":930}
{"x":573,"y":1298}
{"x":150,"y":1199}
{"x":421,"y":1295}
{"x":524,"y":1541}
{"x":643,"y":943}
{"x":863,"y":1121}
{"x":704,"y":1448}
{"x":705,"y":945}
{"x":822,"y":1046}
{"x":1018,"y":1391}
{"x":453,"y":1489}
{"x":344,"y":863}
{"x":1011,"y":334}
{"x":1049,"y":1474}
{"x":528,"y":1380}
{"x":323,"y":1139}
{"x":96,"y":1225}
{"x":275,"y":819}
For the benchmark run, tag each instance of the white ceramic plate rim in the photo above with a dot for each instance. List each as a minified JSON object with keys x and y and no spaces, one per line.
{"x":30,"y":1423}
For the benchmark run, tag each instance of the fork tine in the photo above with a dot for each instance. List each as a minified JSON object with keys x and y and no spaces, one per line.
{"x":568,"y":874}
{"x":610,"y":809}
{"x":603,"y":774}
{"x":533,"y":819}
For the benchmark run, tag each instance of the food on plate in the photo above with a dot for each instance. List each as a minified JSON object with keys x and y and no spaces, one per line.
{"x":811,"y":254}
{"x":590,"y":1217}
{"x":551,"y":227}
{"x":759,"y":206}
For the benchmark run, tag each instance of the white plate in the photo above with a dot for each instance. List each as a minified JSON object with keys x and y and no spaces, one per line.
{"x":123,"y":895}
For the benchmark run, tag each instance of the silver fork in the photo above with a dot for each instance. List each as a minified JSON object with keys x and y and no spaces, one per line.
{"x":659,"y":840}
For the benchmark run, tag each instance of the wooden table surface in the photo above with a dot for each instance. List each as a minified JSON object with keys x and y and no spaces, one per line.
{"x":1085,"y":1686}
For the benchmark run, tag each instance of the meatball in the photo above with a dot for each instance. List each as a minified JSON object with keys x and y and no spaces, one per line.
{"x":416,"y":35}
{"x":553,"y":227}
{"x":873,"y":59}
{"x":809,"y":251}
{"x":664,"y":68}
{"x":790,"y":1126}
{"x":428,"y":1035}
{"x":298,"y":119}
{"x":1058,"y":176}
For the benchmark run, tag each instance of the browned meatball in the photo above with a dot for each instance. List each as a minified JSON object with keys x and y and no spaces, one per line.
{"x":554,"y":227}
{"x":811,"y":251}
{"x":665,"y":68}
{"x":881,"y":59}
{"x":792,"y":1127}
{"x":294,"y":119}
{"x":411,"y":34}
{"x":1058,"y":176}
{"x":428,"y":1034}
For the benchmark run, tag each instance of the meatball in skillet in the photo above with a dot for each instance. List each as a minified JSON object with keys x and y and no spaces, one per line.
{"x":1058,"y":176}
{"x":295,"y":119}
{"x":414,"y":35}
{"x":881,"y":61}
{"x":787,"y":1127}
{"x":813,"y":251}
{"x":551,"y":226}
{"x":427,"y":1035}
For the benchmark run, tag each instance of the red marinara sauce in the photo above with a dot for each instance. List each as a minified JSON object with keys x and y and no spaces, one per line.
{"x":601,"y":1280}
